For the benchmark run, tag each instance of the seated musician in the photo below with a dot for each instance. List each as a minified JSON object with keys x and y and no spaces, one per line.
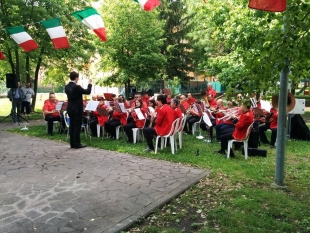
{"x":126,"y":104}
{"x":211,"y":91}
{"x":216,"y":114}
{"x":194,"y":116}
{"x":136,"y":122}
{"x":100,"y":116}
{"x":190,"y":99}
{"x":271,"y":122}
{"x":118,"y":118}
{"x":163,"y":122}
{"x":239,"y":130}
{"x":145,"y":97}
{"x":50,"y":112}
{"x":185,"y":105}
{"x":152,"y":107}
{"x":174,"y":104}
{"x":169,"y":98}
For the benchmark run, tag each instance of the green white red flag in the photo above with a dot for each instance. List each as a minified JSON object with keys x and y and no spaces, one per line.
{"x":268,"y":5}
{"x":56,"y":33}
{"x":148,"y":5}
{"x":91,"y":18}
{"x":22,"y":38}
{"x":1,"y":56}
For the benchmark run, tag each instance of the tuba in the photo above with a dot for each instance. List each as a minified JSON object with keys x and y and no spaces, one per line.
{"x":290,"y":102}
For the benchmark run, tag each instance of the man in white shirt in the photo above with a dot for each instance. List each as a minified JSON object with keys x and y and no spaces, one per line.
{"x":28,"y":94}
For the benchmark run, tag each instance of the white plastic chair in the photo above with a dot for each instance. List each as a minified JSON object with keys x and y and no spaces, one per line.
{"x":245,"y":142}
{"x":170,"y":135}
{"x":180,"y":132}
{"x":136,"y":131}
{"x":195,"y":125}
{"x":55,"y":124}
{"x":67,"y":122}
{"x":98,"y":131}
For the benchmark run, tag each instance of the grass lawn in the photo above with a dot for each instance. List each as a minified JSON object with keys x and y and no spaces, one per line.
{"x":236,"y":197}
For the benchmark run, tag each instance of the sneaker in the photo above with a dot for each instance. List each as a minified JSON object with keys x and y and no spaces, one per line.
{"x":148,"y":150}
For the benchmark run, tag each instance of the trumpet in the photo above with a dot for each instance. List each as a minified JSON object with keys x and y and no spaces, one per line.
{"x":229,"y":114}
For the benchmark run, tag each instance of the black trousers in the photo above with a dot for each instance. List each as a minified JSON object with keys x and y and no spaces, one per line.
{"x":190,"y":121}
{"x":221,"y":128}
{"x":110,"y":127}
{"x":225,"y":137}
{"x":203,"y":127}
{"x":262,"y":134}
{"x":128,"y":130}
{"x":25,"y":104}
{"x":75,"y":129}
{"x":149,"y":133}
{"x":50,"y":122}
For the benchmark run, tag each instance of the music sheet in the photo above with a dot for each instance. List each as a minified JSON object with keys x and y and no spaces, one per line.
{"x":151,"y":109}
{"x":59,"y":105}
{"x":265,"y":105}
{"x":122,"y":107}
{"x":139,"y":114}
{"x":107,"y":103}
{"x":92,"y":105}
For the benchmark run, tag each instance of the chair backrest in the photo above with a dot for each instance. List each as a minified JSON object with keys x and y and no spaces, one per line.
{"x":183,"y":122}
{"x":174,"y":127}
{"x":66,"y":118}
{"x":248,"y":132}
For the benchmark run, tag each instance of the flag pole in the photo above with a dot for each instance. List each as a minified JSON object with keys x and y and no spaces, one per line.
{"x":282,"y":118}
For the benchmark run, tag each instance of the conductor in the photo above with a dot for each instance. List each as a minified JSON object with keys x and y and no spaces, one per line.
{"x":75,"y":108}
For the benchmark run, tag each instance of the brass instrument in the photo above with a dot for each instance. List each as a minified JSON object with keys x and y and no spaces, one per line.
{"x":220,"y":96}
{"x":290,"y":102}
{"x":205,"y":99}
{"x":229,"y":114}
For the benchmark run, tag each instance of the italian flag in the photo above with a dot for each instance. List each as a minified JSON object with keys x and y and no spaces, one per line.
{"x":22,"y":38}
{"x":148,"y":5}
{"x":91,"y":18}
{"x":1,"y":56}
{"x":56,"y":33}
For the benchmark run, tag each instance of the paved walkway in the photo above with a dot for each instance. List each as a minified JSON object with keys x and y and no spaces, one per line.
{"x":45,"y":187}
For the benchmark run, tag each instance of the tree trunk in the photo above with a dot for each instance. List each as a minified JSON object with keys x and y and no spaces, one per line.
{"x":36,"y":79}
{"x":127,"y":89}
{"x":27,"y":68}
{"x":17,"y":64}
{"x":11,"y":61}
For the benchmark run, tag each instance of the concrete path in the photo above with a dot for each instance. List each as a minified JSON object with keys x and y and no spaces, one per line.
{"x":45,"y":187}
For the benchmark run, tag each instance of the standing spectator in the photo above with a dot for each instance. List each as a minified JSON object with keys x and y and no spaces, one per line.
{"x":16,"y":95}
{"x":75,"y":108}
{"x":50,"y":113}
{"x":29,"y":93}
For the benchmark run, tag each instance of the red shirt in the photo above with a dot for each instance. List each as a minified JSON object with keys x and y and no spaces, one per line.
{"x":50,"y":106}
{"x":146,"y":99}
{"x":101,"y":119}
{"x":122,"y":116}
{"x":178,"y":114}
{"x":190,"y":101}
{"x":212,"y":92}
{"x":245,"y":120}
{"x":164,"y":120}
{"x":185,"y":104}
{"x":274,"y":119}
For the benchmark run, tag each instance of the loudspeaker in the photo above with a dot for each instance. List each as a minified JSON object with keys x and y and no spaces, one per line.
{"x":299,"y":129}
{"x":11,"y":81}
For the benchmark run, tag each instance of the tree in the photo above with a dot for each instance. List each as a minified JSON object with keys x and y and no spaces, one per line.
{"x":246,"y":48}
{"x":176,"y":48}
{"x":29,"y":13}
{"x":132,"y":52}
